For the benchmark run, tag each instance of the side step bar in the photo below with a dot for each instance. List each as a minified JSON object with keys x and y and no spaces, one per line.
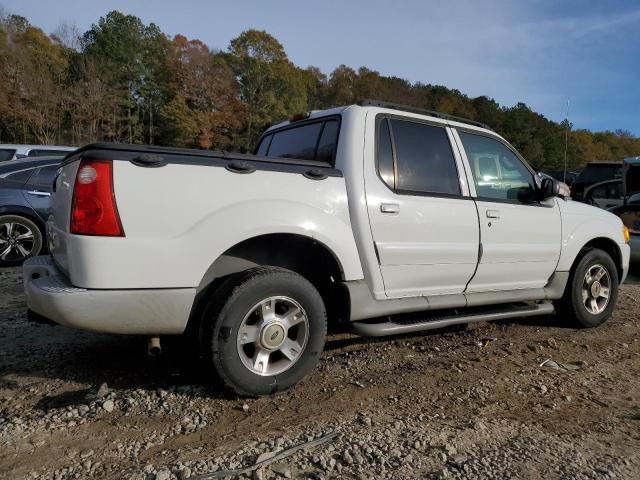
{"x":382,"y":329}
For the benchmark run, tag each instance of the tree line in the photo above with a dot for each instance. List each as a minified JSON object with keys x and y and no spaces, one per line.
{"x":125,"y":81}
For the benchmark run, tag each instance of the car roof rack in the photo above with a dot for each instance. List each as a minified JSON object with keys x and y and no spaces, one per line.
{"x":421,"y":111}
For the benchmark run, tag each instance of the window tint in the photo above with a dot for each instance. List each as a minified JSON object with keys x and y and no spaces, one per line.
{"x":599,"y":173}
{"x":36,"y":152}
{"x":385,"y":155}
{"x":43,"y":176}
{"x":297,"y":142}
{"x":606,"y":196}
{"x":263,"y":148}
{"x":6,"y":154}
{"x":424,"y":160}
{"x":328,"y":141}
{"x":313,"y":141}
{"x":497,"y":172}
{"x":20,"y":176}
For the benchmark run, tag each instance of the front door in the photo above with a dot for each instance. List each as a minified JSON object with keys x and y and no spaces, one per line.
{"x":423,"y":221}
{"x":520,"y":237}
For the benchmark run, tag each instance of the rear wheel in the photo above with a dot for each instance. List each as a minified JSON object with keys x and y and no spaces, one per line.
{"x":592,"y":291}
{"x":20,"y":239}
{"x":264,"y":330}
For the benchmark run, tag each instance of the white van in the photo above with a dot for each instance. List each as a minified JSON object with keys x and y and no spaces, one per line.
{"x":13,"y":152}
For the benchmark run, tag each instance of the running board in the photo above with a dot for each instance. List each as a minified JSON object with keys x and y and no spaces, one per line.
{"x":382,"y":329}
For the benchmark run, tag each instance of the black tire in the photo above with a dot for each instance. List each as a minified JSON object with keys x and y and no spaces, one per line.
{"x":20,"y":225}
{"x":572,"y":306}
{"x":233,"y":302}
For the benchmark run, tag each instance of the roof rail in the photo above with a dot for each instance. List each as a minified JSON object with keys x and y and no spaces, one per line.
{"x":422,"y":111}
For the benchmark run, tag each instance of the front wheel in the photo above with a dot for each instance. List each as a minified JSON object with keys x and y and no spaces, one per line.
{"x":264,"y":330}
{"x":592,"y":291}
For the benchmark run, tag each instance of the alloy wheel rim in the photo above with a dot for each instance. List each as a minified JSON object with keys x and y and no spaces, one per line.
{"x":16,"y":241}
{"x":273,"y":335}
{"x":596,"y":289}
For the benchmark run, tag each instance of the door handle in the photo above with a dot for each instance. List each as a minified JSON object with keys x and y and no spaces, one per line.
{"x":493,"y":213}
{"x":38,"y":193}
{"x":390,"y":208}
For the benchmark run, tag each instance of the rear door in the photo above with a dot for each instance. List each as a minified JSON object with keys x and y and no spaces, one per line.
{"x":37,"y":190}
{"x":423,"y":222}
{"x":520,"y":237}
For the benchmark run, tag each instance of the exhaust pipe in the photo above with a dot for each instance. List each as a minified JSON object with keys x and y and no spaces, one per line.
{"x":153,"y":347}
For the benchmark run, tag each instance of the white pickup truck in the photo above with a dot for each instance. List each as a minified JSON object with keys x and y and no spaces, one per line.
{"x":376,"y":216}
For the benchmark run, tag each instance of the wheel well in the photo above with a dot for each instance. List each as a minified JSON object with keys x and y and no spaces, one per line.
{"x":303,"y":255}
{"x":606,"y":245}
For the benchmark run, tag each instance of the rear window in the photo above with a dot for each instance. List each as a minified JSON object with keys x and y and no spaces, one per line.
{"x":6,"y":154}
{"x":596,"y":173}
{"x":311,"y":141}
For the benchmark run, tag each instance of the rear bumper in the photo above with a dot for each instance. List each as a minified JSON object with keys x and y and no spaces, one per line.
{"x":139,"y":311}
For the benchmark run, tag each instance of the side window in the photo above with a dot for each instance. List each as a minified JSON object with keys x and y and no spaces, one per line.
{"x":384,"y":155}
{"x":46,"y":153}
{"x":297,"y":142}
{"x":606,"y":196}
{"x":263,"y":148}
{"x":43,"y":177}
{"x":497,"y":172}
{"x":328,"y":142}
{"x":6,"y":154}
{"x":424,"y":160}
{"x":312,"y":141}
{"x":21,"y":176}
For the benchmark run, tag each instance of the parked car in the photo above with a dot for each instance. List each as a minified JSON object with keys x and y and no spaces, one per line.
{"x":562,"y":176}
{"x":358,"y":215}
{"x":25,"y":189}
{"x":622,"y":198}
{"x":593,"y":173}
{"x":14,"y":152}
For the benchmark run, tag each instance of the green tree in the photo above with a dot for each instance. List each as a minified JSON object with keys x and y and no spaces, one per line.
{"x":271,"y":87}
{"x":135,"y":55}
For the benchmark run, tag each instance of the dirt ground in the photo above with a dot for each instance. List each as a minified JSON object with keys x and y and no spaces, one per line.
{"x":459,"y":403}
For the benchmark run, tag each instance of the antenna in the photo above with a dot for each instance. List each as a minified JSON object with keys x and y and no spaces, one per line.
{"x":566,"y":143}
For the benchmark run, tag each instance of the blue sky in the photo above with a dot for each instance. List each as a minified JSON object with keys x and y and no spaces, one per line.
{"x":538,"y":52}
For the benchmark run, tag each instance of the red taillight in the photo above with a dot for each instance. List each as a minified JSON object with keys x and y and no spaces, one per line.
{"x":94,"y":210}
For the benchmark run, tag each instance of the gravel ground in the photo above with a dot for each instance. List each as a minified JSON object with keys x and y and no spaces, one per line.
{"x":460,"y":403}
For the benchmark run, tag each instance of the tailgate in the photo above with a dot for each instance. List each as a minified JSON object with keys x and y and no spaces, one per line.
{"x":60,"y":213}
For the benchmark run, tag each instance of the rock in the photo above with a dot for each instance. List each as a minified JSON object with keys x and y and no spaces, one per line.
{"x":102,"y":391}
{"x":347,"y":458}
{"x":108,"y":406}
{"x":543,"y":389}
{"x":283,"y":470}
{"x":163,"y":475}
{"x":258,"y":474}
{"x":184,"y":473}
{"x":245,"y":407}
{"x":265,"y":456}
{"x":450,"y":450}
{"x":551,"y":343}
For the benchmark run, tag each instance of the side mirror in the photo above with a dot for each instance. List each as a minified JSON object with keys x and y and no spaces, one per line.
{"x":549,"y":188}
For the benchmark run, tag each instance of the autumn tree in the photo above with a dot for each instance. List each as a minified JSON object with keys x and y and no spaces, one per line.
{"x":205,"y":110}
